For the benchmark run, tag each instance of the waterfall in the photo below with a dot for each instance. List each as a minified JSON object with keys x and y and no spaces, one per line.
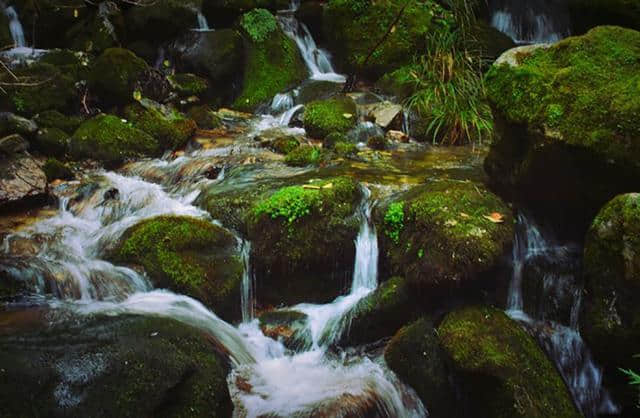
{"x":563,"y":344}
{"x":532,"y":21}
{"x":17,"y":33}
{"x":203,"y":24}
{"x":317,"y":60}
{"x":283,"y":101}
{"x":247,"y":297}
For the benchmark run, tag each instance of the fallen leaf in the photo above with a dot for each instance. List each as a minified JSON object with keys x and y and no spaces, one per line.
{"x":464,"y":215}
{"x":328,"y":186}
{"x":451,"y":222}
{"x":347,"y":115}
{"x":310,"y":187}
{"x":495,"y":217}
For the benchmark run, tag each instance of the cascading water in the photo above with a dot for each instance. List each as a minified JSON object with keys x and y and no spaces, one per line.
{"x":247,"y":301}
{"x":562,"y":343}
{"x":203,"y":25}
{"x":15,"y":27}
{"x":318,"y":60}
{"x":532,"y":21}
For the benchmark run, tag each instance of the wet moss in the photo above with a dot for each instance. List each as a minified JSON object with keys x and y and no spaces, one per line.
{"x":285,"y":144}
{"x":335,"y":115}
{"x":188,"y":255}
{"x":55,"y":119}
{"x":415,"y":355}
{"x":204,"y":117}
{"x":304,"y":155}
{"x":272,"y":60}
{"x":114,"y":75}
{"x":56,"y":170}
{"x":510,"y":375}
{"x":109,"y":139}
{"x":444,"y":234}
{"x":171,"y":130}
{"x":346,"y":149}
{"x":188,"y":84}
{"x":52,"y":142}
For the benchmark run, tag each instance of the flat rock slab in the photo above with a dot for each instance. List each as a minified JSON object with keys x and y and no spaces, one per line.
{"x":21,"y":177}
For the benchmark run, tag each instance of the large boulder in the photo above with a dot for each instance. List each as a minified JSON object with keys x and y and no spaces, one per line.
{"x":124,"y":366}
{"x":161,"y":20}
{"x":21,"y":180}
{"x":168,"y":127}
{"x":567,"y":125}
{"x":110,"y":139}
{"x":190,"y":256}
{"x":115,"y":74}
{"x":272,"y":62}
{"x":589,"y":13}
{"x":415,"y":355}
{"x":503,"y":371}
{"x":324,"y":117}
{"x":98,"y":31}
{"x":611,"y":318}
{"x":354,"y":28}
{"x":223,"y":13}
{"x":303,"y":241}
{"x":446,"y":238}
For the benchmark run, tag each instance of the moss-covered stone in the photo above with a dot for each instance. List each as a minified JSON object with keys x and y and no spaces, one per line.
{"x":188,"y":84}
{"x":586,"y":14}
{"x":566,"y":117}
{"x":377,"y":143}
{"x":346,"y":149}
{"x":272,"y":60}
{"x":109,"y":139}
{"x":289,"y":327}
{"x":216,"y":55}
{"x":329,"y":142}
{"x":304,"y":155}
{"x":325,"y":117}
{"x":55,"y":119}
{"x":222,"y":13}
{"x":169,"y":128}
{"x":444,"y":236}
{"x":204,"y":117}
{"x":285,"y":144}
{"x":56,"y":170}
{"x":163,"y":20}
{"x":506,"y":373}
{"x":96,"y":33}
{"x":114,"y":75}
{"x":52,"y":142}
{"x":611,"y":319}
{"x":353,"y":28}
{"x":190,"y":256}
{"x":415,"y":355}
{"x":303,"y":240}
{"x":126,"y":366}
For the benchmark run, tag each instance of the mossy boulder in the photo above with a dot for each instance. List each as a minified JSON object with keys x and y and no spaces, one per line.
{"x":611,"y":318}
{"x":55,"y":119}
{"x":285,"y":144}
{"x":51,"y":142}
{"x":109,"y":139}
{"x":114,"y":75}
{"x":325,"y":117}
{"x":223,"y":13}
{"x":272,"y":61}
{"x":503,"y":371}
{"x":380,"y":314}
{"x":190,"y":256}
{"x":303,"y":241}
{"x":446,"y":238}
{"x":168,"y":127}
{"x":289,"y":327}
{"x":415,"y":355}
{"x":204,"y":117}
{"x":304,"y":155}
{"x":186,"y":84}
{"x":353,"y":28}
{"x":586,"y":14}
{"x":56,"y":170}
{"x":97,"y":32}
{"x":216,"y":55}
{"x":127,"y":366}
{"x":567,"y":122}
{"x":162,"y":21}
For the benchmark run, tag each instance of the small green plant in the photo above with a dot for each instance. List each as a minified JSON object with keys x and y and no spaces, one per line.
{"x":555,"y":112}
{"x":394,"y":221}
{"x":290,"y":203}
{"x":259,"y":23}
{"x":634,"y":378}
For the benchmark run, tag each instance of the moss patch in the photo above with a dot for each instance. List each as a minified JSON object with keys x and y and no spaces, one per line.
{"x":188,"y":255}
{"x":114,"y":75}
{"x":510,"y":375}
{"x":171,"y":130}
{"x":55,"y":170}
{"x":52,"y":142}
{"x":325,"y":117}
{"x":188,"y":84}
{"x":304,"y":155}
{"x":55,"y":119}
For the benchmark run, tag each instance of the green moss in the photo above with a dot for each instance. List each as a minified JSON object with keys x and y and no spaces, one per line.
{"x":272,"y":62}
{"x":346,"y":149}
{"x":188,"y":255}
{"x":170,"y":130}
{"x":52,"y":142}
{"x":258,"y":24}
{"x":585,"y":88}
{"x":330,"y":141}
{"x":204,"y":117}
{"x":188,"y":84}
{"x":441,"y":233}
{"x":55,"y":119}
{"x":290,"y":203}
{"x":108,"y":138}
{"x":304,"y":155}
{"x":415,"y":356}
{"x":510,"y":375}
{"x":325,"y":117}
{"x":394,"y":221}
{"x":354,"y":27}
{"x":55,"y":170}
{"x":285,"y":144}
{"x":114,"y":75}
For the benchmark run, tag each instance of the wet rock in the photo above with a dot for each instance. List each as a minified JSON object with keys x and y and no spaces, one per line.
{"x":187,"y":85}
{"x":52,"y":142}
{"x":553,"y":152}
{"x":190,"y":256}
{"x":447,"y":238}
{"x":55,"y":119}
{"x":378,"y":143}
{"x":99,"y":31}
{"x":120,"y":366}
{"x":415,"y":355}
{"x":162,"y":21}
{"x":290,"y":327}
{"x":611,"y":317}
{"x":21,"y":179}
{"x":223,"y":13}
{"x":383,"y":113}
{"x":14,"y":124}
{"x":114,"y":75}
{"x":13,"y":144}
{"x":217,"y":54}
{"x":312,"y":90}
{"x":204,"y":117}
{"x":167,"y":126}
{"x":502,"y":370}
{"x":56,"y":170}
{"x":396,"y":136}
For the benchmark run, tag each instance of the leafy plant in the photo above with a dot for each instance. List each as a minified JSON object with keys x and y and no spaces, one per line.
{"x":394,"y":221}
{"x":259,"y":23}
{"x":290,"y":203}
{"x":634,"y":378}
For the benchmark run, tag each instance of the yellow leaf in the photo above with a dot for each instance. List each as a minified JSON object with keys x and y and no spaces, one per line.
{"x":75,"y":12}
{"x":137,"y":96}
{"x":464,"y":215}
{"x":310,"y":187}
{"x":347,"y":115}
{"x":393,"y":29}
{"x":495,"y":217}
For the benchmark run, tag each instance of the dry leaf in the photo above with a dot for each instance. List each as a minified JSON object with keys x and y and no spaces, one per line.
{"x":310,"y":187}
{"x":451,"y":222}
{"x":464,"y":215}
{"x":495,"y":217}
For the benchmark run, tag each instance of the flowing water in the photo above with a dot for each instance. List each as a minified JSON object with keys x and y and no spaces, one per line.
{"x":532,"y":21}
{"x":15,"y":27}
{"x":537,"y":257}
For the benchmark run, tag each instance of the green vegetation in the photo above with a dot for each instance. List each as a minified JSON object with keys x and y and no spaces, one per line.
{"x":634,"y":378}
{"x":52,"y":142}
{"x":304,"y":155}
{"x":55,"y":119}
{"x":324,"y":117}
{"x":55,"y":170}
{"x":188,"y":84}
{"x":108,"y":138}
{"x":285,"y":144}
{"x":394,"y":221}
{"x":291,"y":203}
{"x":258,"y":24}
{"x":189,"y":255}
{"x":345,"y":149}
{"x":169,"y":128}
{"x":508,"y":374}
{"x":114,"y":75}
